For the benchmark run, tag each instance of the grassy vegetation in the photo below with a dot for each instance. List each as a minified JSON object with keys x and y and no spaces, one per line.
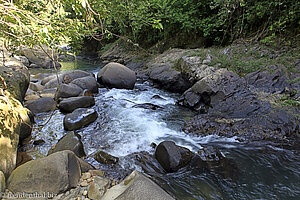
{"x":244,"y":59}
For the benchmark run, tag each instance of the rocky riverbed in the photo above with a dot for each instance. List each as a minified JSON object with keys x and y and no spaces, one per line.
{"x":258,"y":108}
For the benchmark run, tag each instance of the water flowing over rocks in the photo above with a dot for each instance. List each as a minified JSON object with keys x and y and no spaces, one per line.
{"x":55,"y":174}
{"x":115,"y":75}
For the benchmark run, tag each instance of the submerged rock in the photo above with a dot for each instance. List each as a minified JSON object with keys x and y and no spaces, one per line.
{"x":55,"y":174}
{"x":70,"y":104}
{"x":71,"y":141}
{"x":115,"y":75}
{"x":171,"y":156}
{"x":79,"y":118}
{"x":149,"y":106}
{"x":136,"y":186}
{"x":105,"y":158}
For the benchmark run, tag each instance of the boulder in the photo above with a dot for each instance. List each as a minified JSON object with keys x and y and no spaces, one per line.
{"x":16,"y":77}
{"x":88,"y":82}
{"x":36,"y":87}
{"x":70,"y":75}
{"x":115,"y":75}
{"x":55,"y":173}
{"x":11,"y":111}
{"x":23,"y":60}
{"x":172,"y":157}
{"x":136,"y":187}
{"x":69,"y":90}
{"x":167,"y":77}
{"x":98,"y":187}
{"x":46,"y":78}
{"x":52,"y":83}
{"x":49,"y":93}
{"x":105,"y":158}
{"x":71,"y":141}
{"x":79,"y":118}
{"x":214,"y":87}
{"x":41,"y":76}
{"x":2,"y":182}
{"x":72,"y":103}
{"x":26,"y":125}
{"x":44,"y":104}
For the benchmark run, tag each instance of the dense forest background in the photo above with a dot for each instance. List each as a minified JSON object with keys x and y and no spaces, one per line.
{"x":148,"y":23}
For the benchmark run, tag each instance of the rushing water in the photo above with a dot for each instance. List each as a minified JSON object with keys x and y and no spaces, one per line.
{"x":264,"y":172}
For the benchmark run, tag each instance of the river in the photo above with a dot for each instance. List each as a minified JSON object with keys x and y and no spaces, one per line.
{"x":265,"y":172}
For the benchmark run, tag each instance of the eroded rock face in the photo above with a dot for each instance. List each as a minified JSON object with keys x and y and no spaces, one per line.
{"x":172,"y":157}
{"x":55,"y":174}
{"x":79,"y":118}
{"x":115,"y":75}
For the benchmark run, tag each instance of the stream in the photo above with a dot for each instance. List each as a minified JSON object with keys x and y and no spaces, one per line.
{"x":265,"y":172}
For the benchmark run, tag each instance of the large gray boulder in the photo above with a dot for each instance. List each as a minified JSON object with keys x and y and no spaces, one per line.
{"x":71,"y":141}
{"x":72,"y":103}
{"x":115,"y":75}
{"x":44,"y":104}
{"x":88,"y":82}
{"x":69,"y":90}
{"x":54,"y":174}
{"x":172,"y":157}
{"x":136,"y":187}
{"x":79,"y":118}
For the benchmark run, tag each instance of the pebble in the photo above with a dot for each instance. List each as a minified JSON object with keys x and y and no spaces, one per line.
{"x":86,"y":175}
{"x":84,"y":193}
{"x":84,"y":183}
{"x":89,"y":180}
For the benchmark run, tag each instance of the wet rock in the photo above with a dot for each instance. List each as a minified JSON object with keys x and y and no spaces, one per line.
{"x":79,"y":118}
{"x":136,"y":187}
{"x":98,"y":187}
{"x":157,"y":97}
{"x":22,"y":158}
{"x":44,"y":104}
{"x":36,"y":87}
{"x":70,"y":104}
{"x":115,"y":75}
{"x":71,"y":141}
{"x":148,"y":106}
{"x":168,"y":78}
{"x":2,"y":182}
{"x":172,"y":157}
{"x":88,"y":82}
{"x":69,"y":90}
{"x":26,"y":125}
{"x":105,"y":158}
{"x":55,"y":174}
